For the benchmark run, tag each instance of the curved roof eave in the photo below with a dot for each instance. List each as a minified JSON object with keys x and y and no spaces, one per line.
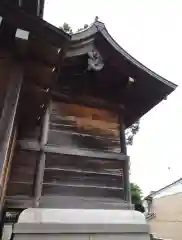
{"x":100,"y":27}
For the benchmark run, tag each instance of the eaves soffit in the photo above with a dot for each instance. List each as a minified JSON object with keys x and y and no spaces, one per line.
{"x":87,"y":36}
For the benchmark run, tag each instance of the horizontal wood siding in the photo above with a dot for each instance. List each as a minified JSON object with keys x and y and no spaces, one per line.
{"x":81,"y":157}
{"x":82,"y":127}
{"x":73,"y":190}
{"x":22,"y":173}
{"x":20,"y":188}
{"x":66,"y":175}
{"x":80,"y":176}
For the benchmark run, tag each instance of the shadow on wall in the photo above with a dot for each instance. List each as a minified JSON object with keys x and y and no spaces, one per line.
{"x":139,"y":207}
{"x":152,"y":237}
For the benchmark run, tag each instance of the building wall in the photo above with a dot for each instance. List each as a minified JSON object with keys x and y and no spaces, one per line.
{"x":168,"y":220}
{"x":176,"y":188}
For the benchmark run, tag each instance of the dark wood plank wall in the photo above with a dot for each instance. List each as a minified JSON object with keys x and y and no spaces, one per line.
{"x":33,"y":7}
{"x":5,"y":81}
{"x":67,"y":174}
{"x":83,"y":127}
{"x":22,"y":174}
{"x":74,"y":175}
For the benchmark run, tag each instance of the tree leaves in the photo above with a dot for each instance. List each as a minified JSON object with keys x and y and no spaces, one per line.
{"x":136,"y":193}
{"x":136,"y":197}
{"x":67,"y":28}
{"x":131,"y":132}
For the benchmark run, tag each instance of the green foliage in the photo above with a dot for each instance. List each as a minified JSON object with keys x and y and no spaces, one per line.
{"x":139,"y":207}
{"x":66,"y":27}
{"x":136,"y":193}
{"x":131,"y":132}
{"x":136,"y":197}
{"x":84,"y":27}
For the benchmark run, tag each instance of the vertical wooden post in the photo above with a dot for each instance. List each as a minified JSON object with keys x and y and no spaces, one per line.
{"x":122,"y":137}
{"x":45,"y":127}
{"x":7,"y":127}
{"x":3,"y":216}
{"x":39,"y":179}
{"x":42,"y":159}
{"x":127,"y":180}
{"x":8,"y":119}
{"x":8,"y":167}
{"x":8,"y":116}
{"x":127,"y":191}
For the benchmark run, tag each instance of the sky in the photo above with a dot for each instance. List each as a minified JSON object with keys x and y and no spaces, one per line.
{"x":150,"y":30}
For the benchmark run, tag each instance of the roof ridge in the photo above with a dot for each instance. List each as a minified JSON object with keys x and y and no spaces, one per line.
{"x":163,"y":188}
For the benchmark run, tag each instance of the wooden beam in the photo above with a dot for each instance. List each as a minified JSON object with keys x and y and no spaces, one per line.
{"x":7,"y":122}
{"x":86,"y":101}
{"x":7,"y":173}
{"x":126,"y":173}
{"x":80,"y":50}
{"x":72,"y":185}
{"x":86,"y":172}
{"x":45,"y":127}
{"x":3,"y":217}
{"x":126,"y":163}
{"x":19,"y":19}
{"x":30,"y":145}
{"x":84,"y":190}
{"x":39,"y":179}
{"x":19,"y":203}
{"x":122,"y":136}
{"x":41,"y":162}
{"x":11,"y":102}
{"x":31,"y":7}
{"x":69,"y":202}
{"x":8,"y":116}
{"x":83,"y":202}
{"x":84,"y":153}
{"x":82,"y":179}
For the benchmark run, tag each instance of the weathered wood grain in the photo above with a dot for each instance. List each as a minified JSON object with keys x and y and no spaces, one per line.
{"x":8,"y":117}
{"x":73,"y":190}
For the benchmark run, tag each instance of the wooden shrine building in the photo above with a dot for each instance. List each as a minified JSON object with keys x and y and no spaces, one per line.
{"x":65,"y":102}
